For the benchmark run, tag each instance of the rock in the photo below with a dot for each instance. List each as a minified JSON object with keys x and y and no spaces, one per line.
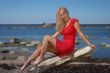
{"x":30,"y":45}
{"x":24,"y":49}
{"x":5,"y":51}
{"x":1,"y":42}
{"x":77,"y":42}
{"x":10,"y":57}
{"x":9,"y":62}
{"x":56,"y":61}
{"x":49,"y":55}
{"x":15,"y":40}
{"x":12,"y":52}
{"x":23,"y":43}
{"x":105,"y":45}
{"x":20,"y":60}
{"x":1,"y":57}
{"x":35,"y":42}
{"x":79,"y":68}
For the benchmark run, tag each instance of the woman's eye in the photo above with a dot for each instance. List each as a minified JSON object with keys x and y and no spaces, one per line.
{"x":62,"y":14}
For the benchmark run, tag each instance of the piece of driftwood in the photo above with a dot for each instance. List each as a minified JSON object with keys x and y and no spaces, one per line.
{"x":56,"y":61}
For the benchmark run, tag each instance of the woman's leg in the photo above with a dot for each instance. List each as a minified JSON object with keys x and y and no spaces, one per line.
{"x":35,"y":54}
{"x":41,"y":50}
{"x":47,"y":40}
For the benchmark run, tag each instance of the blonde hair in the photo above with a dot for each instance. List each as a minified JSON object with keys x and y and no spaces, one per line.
{"x":59,"y":22}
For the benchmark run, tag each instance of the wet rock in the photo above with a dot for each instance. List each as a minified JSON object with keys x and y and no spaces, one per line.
{"x":77,"y":42}
{"x":2,"y":44}
{"x":105,"y":45}
{"x":5,"y":51}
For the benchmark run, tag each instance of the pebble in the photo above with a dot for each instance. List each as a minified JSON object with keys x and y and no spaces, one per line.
{"x":12,"y":52}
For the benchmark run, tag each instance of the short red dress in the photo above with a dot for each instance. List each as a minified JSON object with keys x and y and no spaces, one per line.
{"x":66,"y":46}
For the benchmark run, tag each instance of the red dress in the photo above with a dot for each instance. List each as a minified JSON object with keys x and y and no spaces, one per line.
{"x":67,"y":45}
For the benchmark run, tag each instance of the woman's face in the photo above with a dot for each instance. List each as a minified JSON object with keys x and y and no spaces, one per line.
{"x":64,"y":15}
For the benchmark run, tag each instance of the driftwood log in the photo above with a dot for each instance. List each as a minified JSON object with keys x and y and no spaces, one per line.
{"x":56,"y":61}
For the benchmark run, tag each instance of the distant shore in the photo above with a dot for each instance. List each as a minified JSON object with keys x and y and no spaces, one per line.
{"x":48,"y":25}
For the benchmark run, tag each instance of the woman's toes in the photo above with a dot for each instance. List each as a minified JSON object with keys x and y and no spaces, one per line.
{"x":37,"y":61}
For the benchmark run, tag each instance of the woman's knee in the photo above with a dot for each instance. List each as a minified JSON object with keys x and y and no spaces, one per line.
{"x":39,"y":49}
{"x":47,"y":37}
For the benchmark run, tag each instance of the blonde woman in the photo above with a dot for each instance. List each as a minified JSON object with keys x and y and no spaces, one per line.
{"x":67,"y":27}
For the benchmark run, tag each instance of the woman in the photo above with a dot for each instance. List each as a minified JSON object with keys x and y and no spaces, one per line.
{"x":67,"y":27}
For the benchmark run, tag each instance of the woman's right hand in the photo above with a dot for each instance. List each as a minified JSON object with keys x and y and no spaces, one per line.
{"x":93,"y":46}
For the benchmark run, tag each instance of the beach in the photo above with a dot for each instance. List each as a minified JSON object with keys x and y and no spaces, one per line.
{"x":18,"y":43}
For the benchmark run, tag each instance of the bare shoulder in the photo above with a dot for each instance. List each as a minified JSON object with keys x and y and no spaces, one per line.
{"x":76,"y":25}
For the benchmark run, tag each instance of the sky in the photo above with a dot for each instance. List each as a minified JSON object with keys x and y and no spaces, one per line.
{"x":44,"y":11}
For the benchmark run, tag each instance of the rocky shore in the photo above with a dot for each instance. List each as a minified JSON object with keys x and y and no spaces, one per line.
{"x":13,"y":57}
{"x":11,"y":63}
{"x":93,"y":66}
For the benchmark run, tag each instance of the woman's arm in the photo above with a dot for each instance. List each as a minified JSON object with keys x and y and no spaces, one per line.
{"x":77,"y":26}
{"x":56,"y":34}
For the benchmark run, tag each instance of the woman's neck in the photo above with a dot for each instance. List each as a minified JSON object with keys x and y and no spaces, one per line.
{"x":68,"y":19}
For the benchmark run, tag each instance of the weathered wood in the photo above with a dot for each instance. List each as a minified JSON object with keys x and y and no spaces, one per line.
{"x":56,"y":61}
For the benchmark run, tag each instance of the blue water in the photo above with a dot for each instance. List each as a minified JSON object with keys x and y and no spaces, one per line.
{"x":96,"y":35}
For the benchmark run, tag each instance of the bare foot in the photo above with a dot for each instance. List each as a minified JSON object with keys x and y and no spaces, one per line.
{"x":38,"y":60}
{"x":24,"y":66}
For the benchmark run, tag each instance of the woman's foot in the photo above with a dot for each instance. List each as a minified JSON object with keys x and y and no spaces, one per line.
{"x":37,"y":61}
{"x":24,"y":66}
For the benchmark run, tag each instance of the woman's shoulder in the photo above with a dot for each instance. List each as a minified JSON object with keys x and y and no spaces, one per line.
{"x":74,"y":19}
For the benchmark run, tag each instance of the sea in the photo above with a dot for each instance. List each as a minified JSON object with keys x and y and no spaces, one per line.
{"x":98,"y":34}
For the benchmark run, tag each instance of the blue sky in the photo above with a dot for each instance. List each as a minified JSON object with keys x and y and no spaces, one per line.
{"x":39,"y":11}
